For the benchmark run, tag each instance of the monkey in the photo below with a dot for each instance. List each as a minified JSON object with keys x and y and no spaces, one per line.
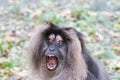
{"x":56,"y":53}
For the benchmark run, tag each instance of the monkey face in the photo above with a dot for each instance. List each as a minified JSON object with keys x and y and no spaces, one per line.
{"x":55,"y":52}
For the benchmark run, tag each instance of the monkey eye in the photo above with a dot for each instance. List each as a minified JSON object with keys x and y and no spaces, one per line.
{"x":48,"y":41}
{"x":60,"y":43}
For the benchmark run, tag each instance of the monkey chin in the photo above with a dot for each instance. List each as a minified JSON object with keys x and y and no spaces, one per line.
{"x":51,"y":62}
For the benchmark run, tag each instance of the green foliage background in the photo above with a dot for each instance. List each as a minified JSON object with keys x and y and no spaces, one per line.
{"x":97,"y":20}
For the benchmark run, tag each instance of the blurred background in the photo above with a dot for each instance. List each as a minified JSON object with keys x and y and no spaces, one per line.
{"x":98,"y":20}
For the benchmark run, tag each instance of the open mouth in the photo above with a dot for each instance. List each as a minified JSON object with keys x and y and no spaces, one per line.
{"x":51,"y":62}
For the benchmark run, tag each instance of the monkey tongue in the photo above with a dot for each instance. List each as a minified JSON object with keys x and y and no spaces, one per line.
{"x":51,"y":63}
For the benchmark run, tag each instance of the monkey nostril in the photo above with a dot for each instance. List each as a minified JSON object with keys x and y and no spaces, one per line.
{"x":51,"y":48}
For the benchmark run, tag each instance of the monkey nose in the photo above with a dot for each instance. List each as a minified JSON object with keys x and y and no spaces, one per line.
{"x":52,"y":48}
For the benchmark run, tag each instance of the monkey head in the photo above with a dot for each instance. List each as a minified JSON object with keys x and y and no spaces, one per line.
{"x":55,"y":48}
{"x":57,"y":53}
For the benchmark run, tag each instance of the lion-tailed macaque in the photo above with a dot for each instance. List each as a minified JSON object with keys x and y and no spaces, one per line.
{"x":56,"y":53}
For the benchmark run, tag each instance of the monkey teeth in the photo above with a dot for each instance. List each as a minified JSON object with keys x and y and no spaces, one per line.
{"x":51,"y":62}
{"x":50,"y":55}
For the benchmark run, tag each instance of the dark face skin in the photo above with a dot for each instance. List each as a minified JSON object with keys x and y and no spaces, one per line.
{"x":56,"y":51}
